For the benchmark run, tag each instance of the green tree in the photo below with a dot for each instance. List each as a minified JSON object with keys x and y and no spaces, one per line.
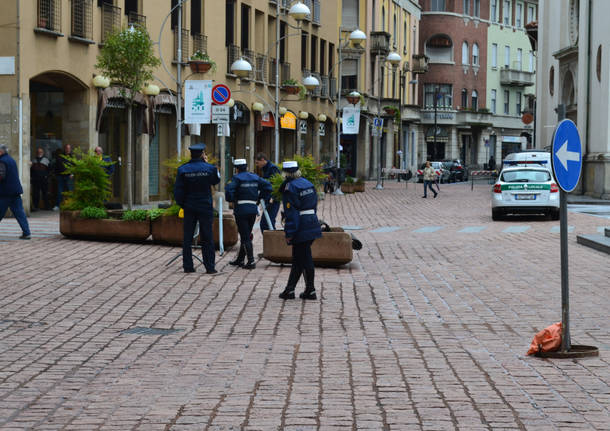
{"x":128,"y":59}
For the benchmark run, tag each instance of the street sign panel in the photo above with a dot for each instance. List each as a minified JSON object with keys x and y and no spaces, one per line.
{"x":220,"y":114}
{"x":378,"y":122}
{"x":220,"y":94}
{"x":321,"y":129}
{"x":303,"y":127}
{"x":566,"y":155}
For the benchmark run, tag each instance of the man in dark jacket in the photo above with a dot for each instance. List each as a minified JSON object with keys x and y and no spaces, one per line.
{"x":301,"y":228}
{"x":64,"y":179}
{"x":245,"y":190}
{"x":193,"y":192}
{"x":39,"y":176}
{"x":11,"y":191}
{"x":268,"y":170}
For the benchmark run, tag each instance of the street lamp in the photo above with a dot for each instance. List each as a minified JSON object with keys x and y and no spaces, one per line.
{"x":356,"y":39}
{"x":241,"y":68}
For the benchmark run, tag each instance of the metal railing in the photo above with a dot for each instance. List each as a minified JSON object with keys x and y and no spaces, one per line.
{"x":82,"y":19}
{"x":261,"y":68}
{"x":271,"y":80}
{"x":316,"y":12}
{"x":309,"y":4}
{"x":318,"y":90}
{"x":284,"y":72}
{"x":200,"y":43}
{"x":185,"y":46}
{"x":250,"y":57}
{"x":111,"y":20}
{"x":49,"y":15}
{"x":332,"y":89}
{"x":233,"y":55}
{"x":136,"y":19}
{"x":324,"y":86}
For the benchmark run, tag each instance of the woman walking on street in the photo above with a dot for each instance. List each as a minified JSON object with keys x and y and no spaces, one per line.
{"x":429,"y":176}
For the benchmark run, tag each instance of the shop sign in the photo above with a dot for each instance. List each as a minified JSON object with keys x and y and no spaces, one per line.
{"x":288,"y":121}
{"x":239,"y":114}
{"x":303,"y":127}
{"x":322,"y":129}
{"x":351,"y":120}
{"x":267,"y":120}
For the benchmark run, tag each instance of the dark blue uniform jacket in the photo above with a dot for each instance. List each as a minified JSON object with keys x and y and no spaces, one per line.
{"x":270,"y":170}
{"x":300,"y":195}
{"x":246,"y":186}
{"x":10,"y":186}
{"x":192,"y":190}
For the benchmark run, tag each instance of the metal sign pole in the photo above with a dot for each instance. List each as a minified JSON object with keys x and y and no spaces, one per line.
{"x":221,"y":245}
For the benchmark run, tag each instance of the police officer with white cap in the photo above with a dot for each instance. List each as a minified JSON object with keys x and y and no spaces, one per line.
{"x":301,"y":228}
{"x":245,"y":190}
{"x":192,"y":192}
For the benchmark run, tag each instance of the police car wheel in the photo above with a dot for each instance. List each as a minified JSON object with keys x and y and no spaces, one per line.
{"x":496,"y":214}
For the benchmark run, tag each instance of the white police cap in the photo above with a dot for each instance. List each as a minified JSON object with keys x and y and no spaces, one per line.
{"x":239,"y":162}
{"x":290,"y":166}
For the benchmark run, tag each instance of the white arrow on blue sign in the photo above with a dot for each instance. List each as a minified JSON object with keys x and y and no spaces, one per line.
{"x":567,"y":155}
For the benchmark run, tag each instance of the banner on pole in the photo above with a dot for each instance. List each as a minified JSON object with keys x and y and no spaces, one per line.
{"x":351,"y":120}
{"x":197,"y":101}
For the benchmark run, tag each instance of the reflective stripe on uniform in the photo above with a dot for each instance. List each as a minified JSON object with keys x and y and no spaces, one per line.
{"x":246,"y":202}
{"x":307,"y":212}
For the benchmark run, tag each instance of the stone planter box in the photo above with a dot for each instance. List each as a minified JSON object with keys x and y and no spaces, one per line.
{"x":331,"y":250}
{"x":347,"y":188}
{"x":72,"y":226}
{"x":358,"y":187}
{"x":169,"y":230}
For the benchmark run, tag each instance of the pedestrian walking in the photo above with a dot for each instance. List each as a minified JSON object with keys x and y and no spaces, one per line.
{"x":245,"y":190}
{"x":429,"y":177}
{"x":273,"y":207}
{"x":39,"y":178}
{"x":11,"y":191}
{"x":301,"y":228}
{"x":193,"y":192}
{"x":65,"y":181}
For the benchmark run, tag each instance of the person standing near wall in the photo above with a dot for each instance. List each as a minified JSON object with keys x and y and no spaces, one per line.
{"x":65,"y":181}
{"x":11,"y":191}
{"x":39,"y":176}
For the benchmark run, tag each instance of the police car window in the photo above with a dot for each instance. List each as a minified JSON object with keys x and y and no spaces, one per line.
{"x":525,"y":176}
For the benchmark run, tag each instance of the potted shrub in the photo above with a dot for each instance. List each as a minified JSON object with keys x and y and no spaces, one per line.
{"x":200,"y":62}
{"x":332,"y":249}
{"x":348,"y":185}
{"x":359,"y":185}
{"x":292,"y":86}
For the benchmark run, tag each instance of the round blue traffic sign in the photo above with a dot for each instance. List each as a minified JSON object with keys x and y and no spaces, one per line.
{"x":566,"y":155}
{"x":221,"y":94}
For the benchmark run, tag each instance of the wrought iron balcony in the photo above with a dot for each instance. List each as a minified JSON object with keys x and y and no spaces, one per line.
{"x":233,"y":54}
{"x":324,"y":86}
{"x":250,"y":57}
{"x":136,"y":19}
{"x":185,"y":46}
{"x":111,"y":20}
{"x":82,"y":19}
{"x":49,"y":15}
{"x":271,"y":75}
{"x":200,"y":43}
{"x":261,"y":68}
{"x":284,"y":72}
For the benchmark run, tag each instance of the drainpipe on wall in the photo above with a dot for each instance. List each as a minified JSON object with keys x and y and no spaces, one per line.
{"x":588,"y":122}
{"x":18,"y":72}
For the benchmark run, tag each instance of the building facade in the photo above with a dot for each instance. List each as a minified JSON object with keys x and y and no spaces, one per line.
{"x":467,"y":80}
{"x":572,"y":44}
{"x":47,"y":58}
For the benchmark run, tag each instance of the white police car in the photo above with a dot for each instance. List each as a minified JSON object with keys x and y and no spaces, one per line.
{"x":525,"y":188}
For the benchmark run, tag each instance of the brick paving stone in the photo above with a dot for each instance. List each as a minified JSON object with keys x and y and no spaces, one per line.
{"x":426,"y":328}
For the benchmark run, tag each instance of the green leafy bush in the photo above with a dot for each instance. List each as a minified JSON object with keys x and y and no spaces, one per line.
{"x":93,"y":213}
{"x":349,"y":180}
{"x":203,"y":56}
{"x":172,"y":166}
{"x":309,"y":170}
{"x":155,"y":213}
{"x":135,"y":215}
{"x":91,"y":181}
{"x":172,"y":210}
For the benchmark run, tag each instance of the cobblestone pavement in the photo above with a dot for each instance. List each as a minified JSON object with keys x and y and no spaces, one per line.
{"x":427,"y":328}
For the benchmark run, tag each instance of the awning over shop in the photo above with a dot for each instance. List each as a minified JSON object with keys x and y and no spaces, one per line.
{"x":112,"y":97}
{"x":442,"y":134}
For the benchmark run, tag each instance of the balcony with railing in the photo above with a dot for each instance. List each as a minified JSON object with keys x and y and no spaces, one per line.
{"x":514,"y":76}
{"x":271,"y":74}
{"x":200,"y":43}
{"x":260,"y":74}
{"x":185,"y":46}
{"x":250,"y":57}
{"x":136,"y":19}
{"x":316,"y":12}
{"x":419,"y":63}
{"x":324,"y":87}
{"x":332,"y":89}
{"x":48,"y":18}
{"x":284,"y":72}
{"x":111,"y":20}
{"x":316,"y":92}
{"x":233,"y":54}
{"x":81,"y":22}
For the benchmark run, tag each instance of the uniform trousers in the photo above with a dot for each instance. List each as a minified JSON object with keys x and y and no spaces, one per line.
{"x":302,"y":263}
{"x":245,"y":223}
{"x":207,"y":241}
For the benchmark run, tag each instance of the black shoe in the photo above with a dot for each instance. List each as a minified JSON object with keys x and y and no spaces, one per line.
{"x":249,"y":265}
{"x":189,"y":270}
{"x":211,"y":271}
{"x":308,"y":294}
{"x":237,"y":262}
{"x":34,"y":210}
{"x":24,"y":236}
{"x":424,"y":197}
{"x":435,"y":195}
{"x":287,"y":294}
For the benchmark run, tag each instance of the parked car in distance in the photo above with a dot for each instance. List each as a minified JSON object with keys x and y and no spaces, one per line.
{"x":441,"y":171}
{"x":456,"y":170}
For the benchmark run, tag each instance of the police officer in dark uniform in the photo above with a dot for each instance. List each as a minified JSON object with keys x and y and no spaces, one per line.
{"x":301,"y":228}
{"x":192,"y":192}
{"x":245,"y":190}
{"x":269,"y":170}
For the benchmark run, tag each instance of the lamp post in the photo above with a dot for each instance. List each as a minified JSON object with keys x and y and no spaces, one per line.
{"x":394,"y":59}
{"x":356,"y":38}
{"x":299,"y":12}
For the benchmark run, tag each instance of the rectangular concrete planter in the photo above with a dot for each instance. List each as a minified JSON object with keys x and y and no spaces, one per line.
{"x":73,"y":226}
{"x":347,"y":188}
{"x":331,"y":250}
{"x":358,"y":187}
{"x":169,"y":230}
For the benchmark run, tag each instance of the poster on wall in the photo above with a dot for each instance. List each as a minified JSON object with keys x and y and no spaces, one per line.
{"x":198,"y":102}
{"x":351,"y":120}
